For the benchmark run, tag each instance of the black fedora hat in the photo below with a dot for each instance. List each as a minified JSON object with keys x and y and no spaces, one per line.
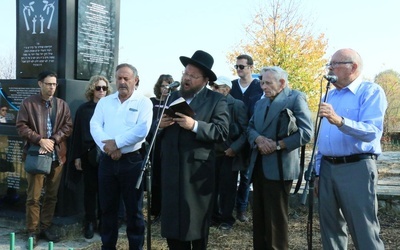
{"x":203,"y":60}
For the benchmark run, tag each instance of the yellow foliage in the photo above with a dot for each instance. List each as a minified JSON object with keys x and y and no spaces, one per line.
{"x":278,"y":36}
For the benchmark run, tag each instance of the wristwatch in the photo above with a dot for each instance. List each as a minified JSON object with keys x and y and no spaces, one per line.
{"x":278,"y":147}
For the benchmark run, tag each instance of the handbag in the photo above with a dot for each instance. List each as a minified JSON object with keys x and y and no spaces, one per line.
{"x":286,"y":124}
{"x":36,"y":163}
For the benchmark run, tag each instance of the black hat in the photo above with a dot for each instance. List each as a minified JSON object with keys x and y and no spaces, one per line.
{"x":203,"y":60}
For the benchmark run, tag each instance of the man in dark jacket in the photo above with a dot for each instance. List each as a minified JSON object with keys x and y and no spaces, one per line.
{"x":231,"y":157}
{"x":245,"y":88}
{"x":188,"y":156}
{"x":37,"y":126}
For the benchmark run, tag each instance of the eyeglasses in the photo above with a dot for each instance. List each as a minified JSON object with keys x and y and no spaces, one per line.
{"x":240,"y":66}
{"x":336,"y":64}
{"x":98,"y":88}
{"x":184,"y":74}
{"x":49,"y":84}
{"x":164,"y":86}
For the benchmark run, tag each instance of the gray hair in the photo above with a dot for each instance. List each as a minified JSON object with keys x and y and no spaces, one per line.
{"x":277,"y":71}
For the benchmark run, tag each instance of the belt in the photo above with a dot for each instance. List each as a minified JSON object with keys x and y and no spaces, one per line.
{"x":136,"y":152}
{"x":349,"y":158}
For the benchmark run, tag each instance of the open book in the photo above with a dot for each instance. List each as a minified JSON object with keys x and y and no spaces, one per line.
{"x":179,"y":105}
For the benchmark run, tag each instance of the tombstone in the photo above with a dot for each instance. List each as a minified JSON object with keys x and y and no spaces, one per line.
{"x":76,"y":39}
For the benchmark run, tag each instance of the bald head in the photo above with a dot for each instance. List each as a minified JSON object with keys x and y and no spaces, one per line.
{"x":347,"y":65}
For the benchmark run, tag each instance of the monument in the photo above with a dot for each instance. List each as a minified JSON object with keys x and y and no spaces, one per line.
{"x":76,"y":39}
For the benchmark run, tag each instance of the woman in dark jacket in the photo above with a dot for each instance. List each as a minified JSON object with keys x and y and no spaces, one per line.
{"x":84,"y":150}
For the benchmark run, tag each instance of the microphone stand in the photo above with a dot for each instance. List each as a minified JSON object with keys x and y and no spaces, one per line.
{"x":146,"y":168}
{"x":310,"y":178}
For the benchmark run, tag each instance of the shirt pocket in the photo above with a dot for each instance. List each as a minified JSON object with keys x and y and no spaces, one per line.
{"x":131,"y":116}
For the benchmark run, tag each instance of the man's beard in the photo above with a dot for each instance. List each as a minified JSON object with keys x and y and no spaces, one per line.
{"x":186,"y":94}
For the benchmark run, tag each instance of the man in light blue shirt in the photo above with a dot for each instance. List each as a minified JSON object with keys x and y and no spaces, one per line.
{"x":348,"y":145}
{"x":119,"y":126}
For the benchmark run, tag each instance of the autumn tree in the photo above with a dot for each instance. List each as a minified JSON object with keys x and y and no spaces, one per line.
{"x":279,"y":36}
{"x":389,"y":80}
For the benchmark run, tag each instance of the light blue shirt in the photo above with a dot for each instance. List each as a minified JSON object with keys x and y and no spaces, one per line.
{"x":127,"y":123}
{"x":362,"y":105}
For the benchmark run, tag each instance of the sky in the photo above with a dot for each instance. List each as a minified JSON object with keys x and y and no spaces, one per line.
{"x":155,"y":33}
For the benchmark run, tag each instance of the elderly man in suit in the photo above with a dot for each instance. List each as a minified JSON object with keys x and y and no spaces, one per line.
{"x":188,"y":156}
{"x":270,"y":195}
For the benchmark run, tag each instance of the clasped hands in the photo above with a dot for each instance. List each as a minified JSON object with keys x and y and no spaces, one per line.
{"x":184,"y":121}
{"x":46,"y":146}
{"x":111,"y":149}
{"x":265,"y":145}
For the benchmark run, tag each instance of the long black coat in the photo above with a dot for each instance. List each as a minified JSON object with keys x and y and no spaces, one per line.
{"x":188,"y":173}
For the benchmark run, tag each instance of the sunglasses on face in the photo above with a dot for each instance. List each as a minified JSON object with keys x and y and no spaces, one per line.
{"x":98,"y":88}
{"x":240,"y":66}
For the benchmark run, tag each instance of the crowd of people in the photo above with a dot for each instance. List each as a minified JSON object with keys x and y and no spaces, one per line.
{"x":202,"y":165}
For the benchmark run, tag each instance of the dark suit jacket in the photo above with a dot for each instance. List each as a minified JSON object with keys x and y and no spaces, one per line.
{"x":187,"y":163}
{"x":295,"y":101}
{"x":238,"y":116}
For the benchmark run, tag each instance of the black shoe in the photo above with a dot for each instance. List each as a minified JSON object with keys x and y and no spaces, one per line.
{"x":89,"y":230}
{"x":34,"y":239}
{"x":241,"y":216}
{"x":225,"y":227}
{"x":50,"y":235}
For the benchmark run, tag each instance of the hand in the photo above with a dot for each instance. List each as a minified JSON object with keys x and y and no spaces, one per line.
{"x":316,"y":187}
{"x":116,"y":155}
{"x":265,"y":145}
{"x":230,"y":153}
{"x":46,"y":146}
{"x":109,"y":146}
{"x":166,"y":121}
{"x":78,"y":164}
{"x":326,"y":110}
{"x":184,"y":121}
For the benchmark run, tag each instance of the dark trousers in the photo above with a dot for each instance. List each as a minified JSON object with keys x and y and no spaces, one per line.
{"x":225,"y":190}
{"x":200,"y":244}
{"x":91,"y":191}
{"x":116,"y":178}
{"x":270,"y":212}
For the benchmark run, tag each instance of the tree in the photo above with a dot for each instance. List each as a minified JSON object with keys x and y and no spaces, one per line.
{"x":389,"y":80}
{"x":279,"y":36}
{"x":7,"y":66}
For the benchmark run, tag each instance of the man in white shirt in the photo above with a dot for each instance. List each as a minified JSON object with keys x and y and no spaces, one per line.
{"x":119,"y":126}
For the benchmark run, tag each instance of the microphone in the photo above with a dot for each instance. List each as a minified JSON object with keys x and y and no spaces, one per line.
{"x":331,"y":78}
{"x":173,"y":85}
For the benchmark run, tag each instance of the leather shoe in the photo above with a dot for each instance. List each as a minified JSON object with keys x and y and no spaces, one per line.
{"x":241,"y":216}
{"x":89,"y":230}
{"x":225,"y":227}
{"x":34,"y":239}
{"x":50,"y":236}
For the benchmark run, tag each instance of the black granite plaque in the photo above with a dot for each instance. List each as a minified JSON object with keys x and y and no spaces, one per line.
{"x":96,"y":38}
{"x":13,"y":92}
{"x":37,"y":37}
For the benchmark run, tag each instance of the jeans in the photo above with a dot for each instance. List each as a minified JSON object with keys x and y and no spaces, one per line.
{"x":116,"y":178}
{"x":242,"y":196}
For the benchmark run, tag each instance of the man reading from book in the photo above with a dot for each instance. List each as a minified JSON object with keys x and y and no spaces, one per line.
{"x":188,"y":156}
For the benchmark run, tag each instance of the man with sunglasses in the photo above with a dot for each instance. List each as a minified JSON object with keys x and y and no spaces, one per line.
{"x":244,"y":88}
{"x":44,"y":120}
